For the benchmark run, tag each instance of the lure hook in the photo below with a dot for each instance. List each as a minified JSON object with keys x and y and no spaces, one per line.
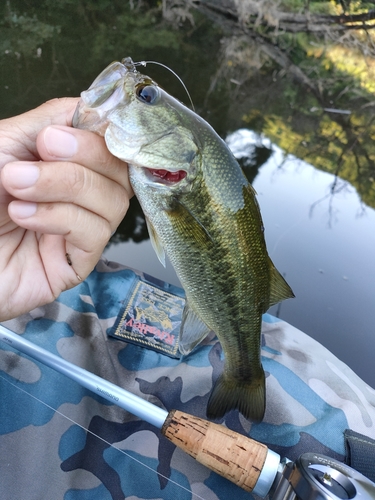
{"x":144,"y":63}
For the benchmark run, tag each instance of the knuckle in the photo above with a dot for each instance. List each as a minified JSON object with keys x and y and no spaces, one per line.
{"x":105,"y":160}
{"x":106,"y":233}
{"x":120,"y":205}
{"x":103,"y":156}
{"x":92,"y":149}
{"x":91,"y":230}
{"x":75,"y":180}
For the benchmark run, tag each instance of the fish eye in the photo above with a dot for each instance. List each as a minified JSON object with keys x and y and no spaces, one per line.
{"x":147,"y":93}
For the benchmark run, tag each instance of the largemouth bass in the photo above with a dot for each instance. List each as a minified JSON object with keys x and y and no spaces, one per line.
{"x":201,"y":210}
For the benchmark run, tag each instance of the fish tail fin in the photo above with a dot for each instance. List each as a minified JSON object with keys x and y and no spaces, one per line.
{"x":249,"y":397}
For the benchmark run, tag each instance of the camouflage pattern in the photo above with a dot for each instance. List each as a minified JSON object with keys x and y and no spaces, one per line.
{"x":77,"y":446}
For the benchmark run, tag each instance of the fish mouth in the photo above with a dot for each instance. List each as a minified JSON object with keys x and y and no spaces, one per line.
{"x":166,"y":176}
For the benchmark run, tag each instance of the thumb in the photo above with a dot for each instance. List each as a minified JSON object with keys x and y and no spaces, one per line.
{"x":20,"y":132}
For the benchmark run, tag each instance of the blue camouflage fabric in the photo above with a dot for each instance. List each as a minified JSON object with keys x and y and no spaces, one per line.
{"x":60,"y":441}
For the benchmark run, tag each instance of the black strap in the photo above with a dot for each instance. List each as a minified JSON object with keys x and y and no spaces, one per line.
{"x":360,"y":453}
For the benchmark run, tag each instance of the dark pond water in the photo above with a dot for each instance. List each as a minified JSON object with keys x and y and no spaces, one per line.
{"x":319,"y":225}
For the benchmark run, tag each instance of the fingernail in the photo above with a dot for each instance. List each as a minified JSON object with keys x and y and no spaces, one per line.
{"x":60,"y":143}
{"x":22,"y":209}
{"x":21,"y":175}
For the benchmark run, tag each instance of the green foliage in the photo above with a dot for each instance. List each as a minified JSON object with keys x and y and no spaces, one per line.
{"x":50,"y":49}
{"x":57,"y":48}
{"x":132,"y":35}
{"x":23,"y":35}
{"x":335,"y":143}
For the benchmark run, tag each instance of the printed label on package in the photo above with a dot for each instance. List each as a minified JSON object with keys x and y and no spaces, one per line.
{"x":152,"y":319}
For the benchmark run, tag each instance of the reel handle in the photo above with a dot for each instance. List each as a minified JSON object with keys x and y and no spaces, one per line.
{"x":236,"y":457}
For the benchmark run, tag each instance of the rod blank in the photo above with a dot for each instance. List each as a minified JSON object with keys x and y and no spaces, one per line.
{"x":245,"y":462}
{"x":130,"y":402}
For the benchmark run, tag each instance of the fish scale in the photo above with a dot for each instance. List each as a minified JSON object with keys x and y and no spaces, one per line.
{"x":208,"y":222}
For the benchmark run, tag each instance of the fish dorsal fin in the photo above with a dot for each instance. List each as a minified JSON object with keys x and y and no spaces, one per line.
{"x":155,"y":242}
{"x":193,"y":330}
{"x":280,"y":290}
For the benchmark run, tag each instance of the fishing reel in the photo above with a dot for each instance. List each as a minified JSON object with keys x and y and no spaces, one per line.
{"x":317,"y":477}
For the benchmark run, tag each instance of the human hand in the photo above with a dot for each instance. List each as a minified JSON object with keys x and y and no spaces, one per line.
{"x":56,"y":215}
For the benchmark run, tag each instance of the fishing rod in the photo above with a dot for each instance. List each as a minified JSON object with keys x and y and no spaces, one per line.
{"x":247,"y":463}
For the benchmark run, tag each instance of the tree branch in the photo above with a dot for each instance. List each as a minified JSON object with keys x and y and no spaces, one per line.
{"x":289,"y":22}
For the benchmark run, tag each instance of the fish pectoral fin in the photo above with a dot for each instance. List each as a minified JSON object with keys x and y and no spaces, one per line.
{"x":280,"y":290}
{"x":188,"y":224}
{"x":193,"y":330}
{"x":250,"y":188}
{"x":155,"y":242}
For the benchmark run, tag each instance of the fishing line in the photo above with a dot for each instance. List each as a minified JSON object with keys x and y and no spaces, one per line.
{"x":144,"y":63}
{"x":285,"y":232}
{"x":101,"y":438}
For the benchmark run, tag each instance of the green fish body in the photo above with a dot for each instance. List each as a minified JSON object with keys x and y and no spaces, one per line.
{"x":200,"y":210}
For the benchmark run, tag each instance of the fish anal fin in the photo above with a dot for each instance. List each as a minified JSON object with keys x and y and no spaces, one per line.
{"x":155,"y":242}
{"x":280,"y":290}
{"x":247,"y":396}
{"x":193,"y":330}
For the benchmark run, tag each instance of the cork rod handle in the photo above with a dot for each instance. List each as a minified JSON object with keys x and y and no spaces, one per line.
{"x":236,"y":457}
